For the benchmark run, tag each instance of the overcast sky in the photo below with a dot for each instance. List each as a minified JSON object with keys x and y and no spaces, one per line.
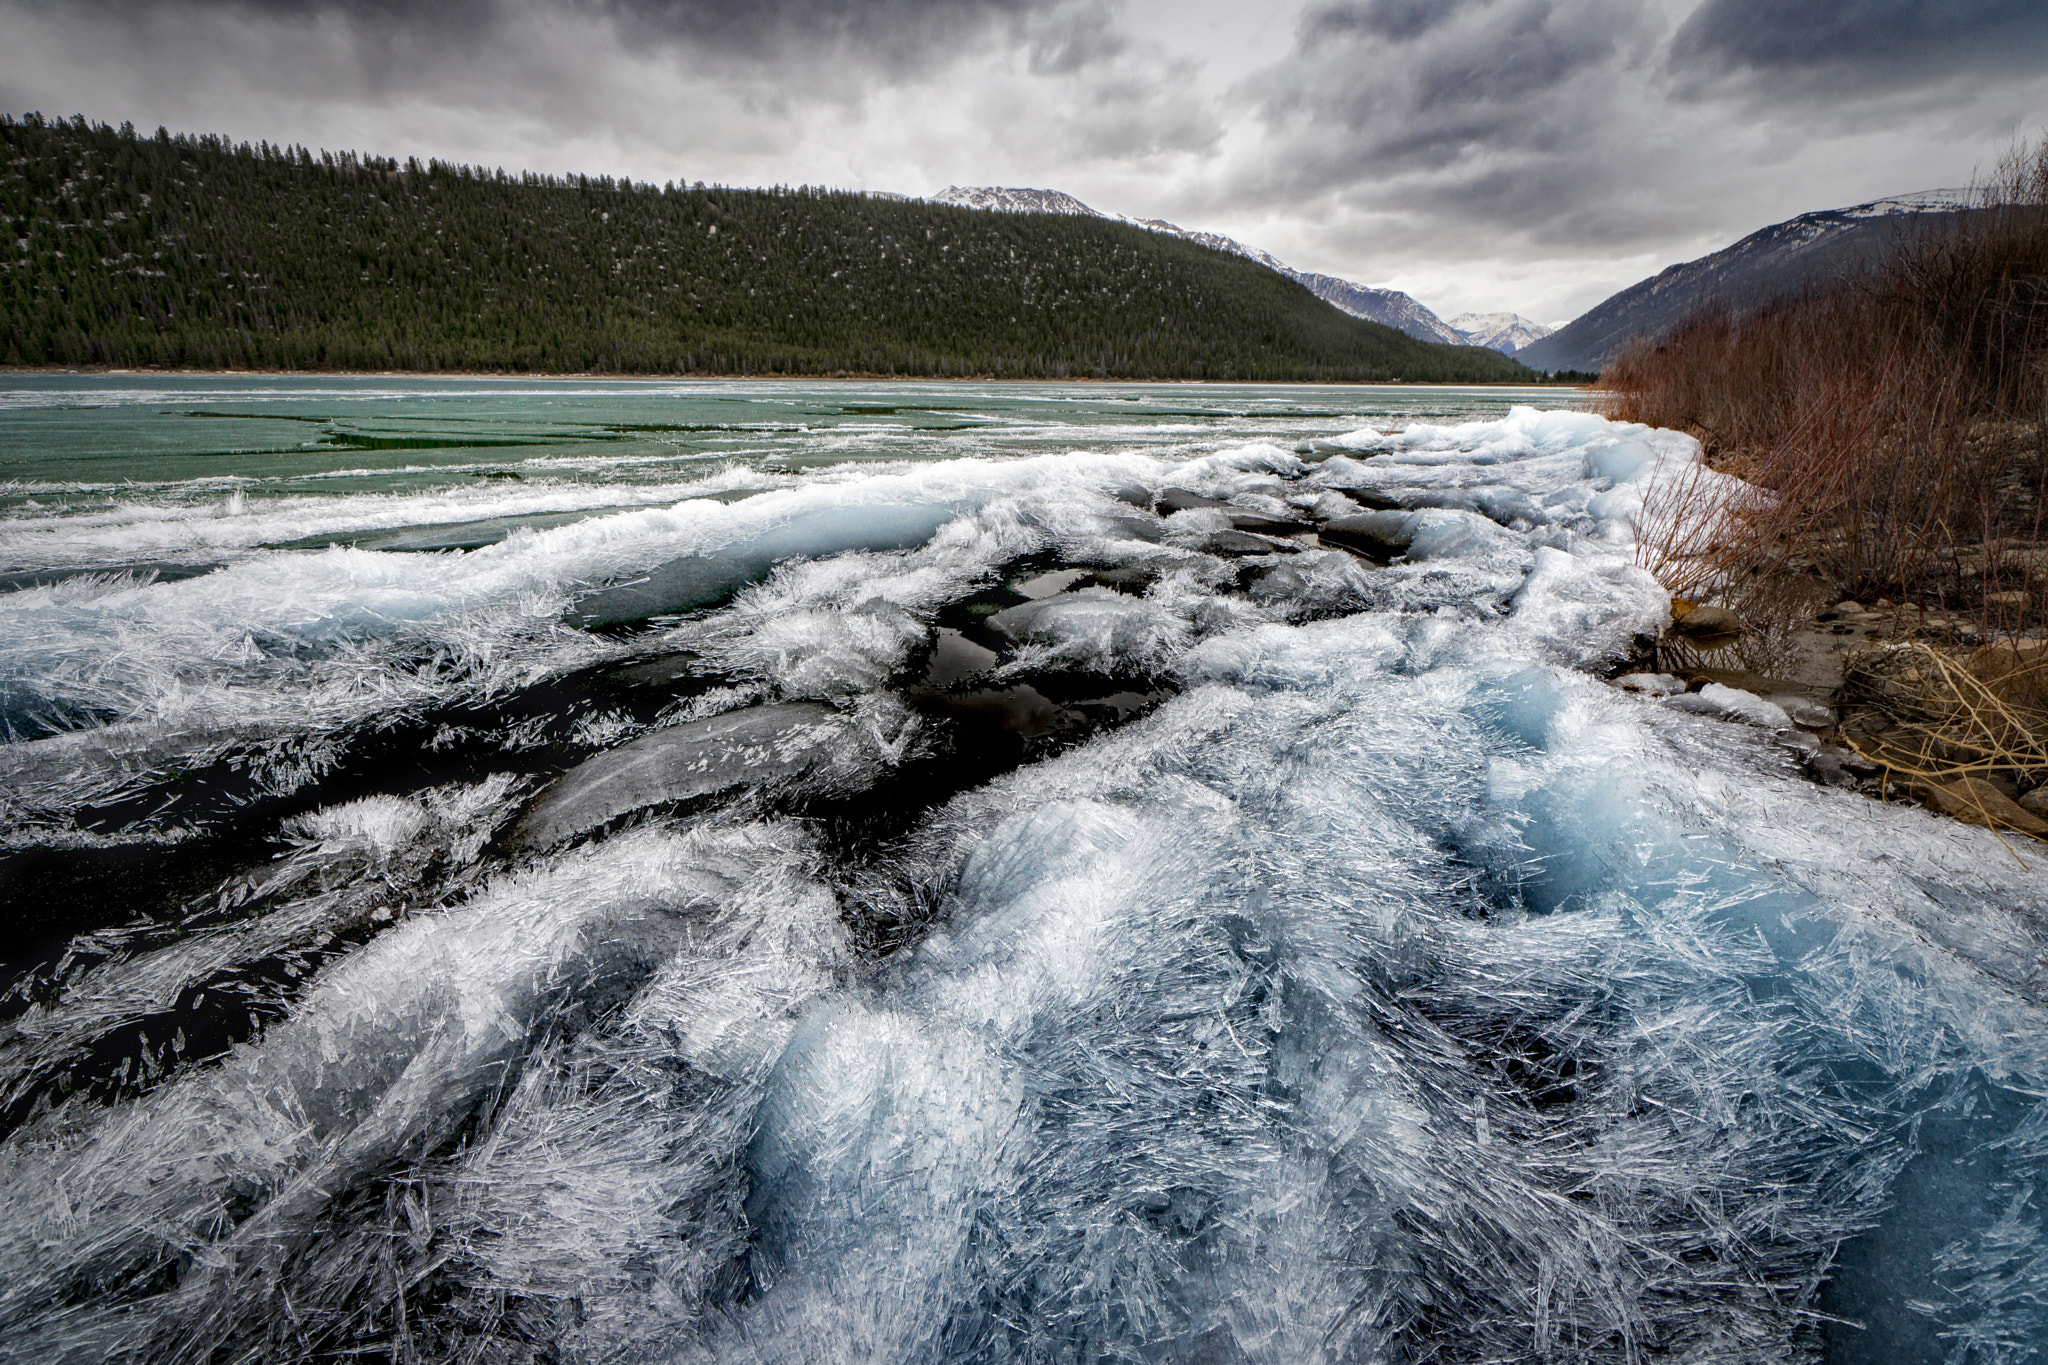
{"x":1524,"y":155}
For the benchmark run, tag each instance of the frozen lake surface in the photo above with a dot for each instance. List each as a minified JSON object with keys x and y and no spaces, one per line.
{"x":583,"y":871}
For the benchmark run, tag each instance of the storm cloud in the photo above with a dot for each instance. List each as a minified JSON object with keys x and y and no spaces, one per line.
{"x":1857,"y":40}
{"x":1531,"y":155}
{"x":889,"y":33}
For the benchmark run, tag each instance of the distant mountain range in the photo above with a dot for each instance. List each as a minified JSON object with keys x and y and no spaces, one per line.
{"x":1773,"y":261}
{"x":1776,"y":260}
{"x":1503,"y":332}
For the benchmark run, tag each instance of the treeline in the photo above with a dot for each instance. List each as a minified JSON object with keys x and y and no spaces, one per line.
{"x":193,"y":251}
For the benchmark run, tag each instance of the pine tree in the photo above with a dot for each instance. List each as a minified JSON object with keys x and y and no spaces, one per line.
{"x":179,"y":250}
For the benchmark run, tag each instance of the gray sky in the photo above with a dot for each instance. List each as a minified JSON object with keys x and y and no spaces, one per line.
{"x":1525,"y":155}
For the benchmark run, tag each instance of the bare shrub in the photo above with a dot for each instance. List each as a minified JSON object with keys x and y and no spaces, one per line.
{"x":1897,"y":419}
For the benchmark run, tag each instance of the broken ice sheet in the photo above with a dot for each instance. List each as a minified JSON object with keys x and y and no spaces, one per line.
{"x":1392,"y":988}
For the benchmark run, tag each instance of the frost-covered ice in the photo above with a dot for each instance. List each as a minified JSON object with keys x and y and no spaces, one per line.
{"x":1396,"y":990}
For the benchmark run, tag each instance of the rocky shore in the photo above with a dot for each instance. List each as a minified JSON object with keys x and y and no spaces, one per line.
{"x":1898,"y":702}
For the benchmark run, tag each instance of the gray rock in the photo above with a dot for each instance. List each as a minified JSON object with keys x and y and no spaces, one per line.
{"x":1136,"y":494}
{"x":1131,"y":579}
{"x":1048,"y":584}
{"x":1240,"y":543}
{"x":1260,"y":525}
{"x":1805,"y":713}
{"x":1089,"y":611}
{"x":1379,"y":536}
{"x":1181,"y":500}
{"x":763,"y":745}
{"x":1839,"y":767}
{"x":1131,"y":528}
{"x":679,"y":585}
{"x":692,"y":581}
{"x":1371,"y":499}
{"x":2035,"y":802}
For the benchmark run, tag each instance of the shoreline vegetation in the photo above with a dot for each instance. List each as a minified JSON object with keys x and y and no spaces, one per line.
{"x":1895,"y":422}
{"x":179,"y":251}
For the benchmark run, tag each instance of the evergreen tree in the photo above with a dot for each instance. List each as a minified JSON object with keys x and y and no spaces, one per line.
{"x":192,"y":251}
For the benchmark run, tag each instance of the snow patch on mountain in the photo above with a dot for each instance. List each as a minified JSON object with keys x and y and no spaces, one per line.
{"x":1009,"y":199}
{"x":1389,"y":307}
{"x":1920,"y":201}
{"x":1504,"y":332}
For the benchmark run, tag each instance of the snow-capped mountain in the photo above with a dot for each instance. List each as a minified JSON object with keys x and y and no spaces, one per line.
{"x":1768,"y":263}
{"x":1504,"y":332}
{"x":1390,"y":307}
{"x":1010,"y":200}
{"x":1216,"y":241}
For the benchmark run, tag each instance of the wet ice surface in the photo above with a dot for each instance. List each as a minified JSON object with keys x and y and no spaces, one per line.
{"x":1079,"y":935}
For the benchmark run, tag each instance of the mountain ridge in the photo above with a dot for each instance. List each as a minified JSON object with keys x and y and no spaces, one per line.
{"x":1772,"y":261}
{"x":1389,"y":307}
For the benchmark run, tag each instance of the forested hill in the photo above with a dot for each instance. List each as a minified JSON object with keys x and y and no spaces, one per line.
{"x":184,"y":251}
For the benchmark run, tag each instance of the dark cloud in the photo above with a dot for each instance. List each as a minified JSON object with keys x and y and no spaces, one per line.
{"x":1399,"y":20}
{"x":381,"y":14}
{"x":887,"y":34}
{"x":1858,"y":40}
{"x":894,"y":32}
{"x":1486,"y":100}
{"x":1475,"y":75}
{"x":1067,"y":39}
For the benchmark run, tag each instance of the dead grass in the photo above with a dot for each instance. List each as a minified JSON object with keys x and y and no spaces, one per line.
{"x":1963,"y":732}
{"x":1983,"y":715}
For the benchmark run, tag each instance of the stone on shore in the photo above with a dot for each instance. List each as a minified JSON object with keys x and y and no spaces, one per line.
{"x":1709,"y":626}
{"x":1975,"y":801}
{"x":1378,"y":536}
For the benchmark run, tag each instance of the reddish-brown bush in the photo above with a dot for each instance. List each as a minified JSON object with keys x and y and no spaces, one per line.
{"x":1898,"y":418}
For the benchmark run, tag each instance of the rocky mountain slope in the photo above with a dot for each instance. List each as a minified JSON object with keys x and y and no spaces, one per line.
{"x":1013,"y":200}
{"x":1776,"y":260}
{"x":1389,"y":307}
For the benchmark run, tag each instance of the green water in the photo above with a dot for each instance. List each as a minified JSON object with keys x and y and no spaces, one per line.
{"x":97,"y":469}
{"x":380,"y":434}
